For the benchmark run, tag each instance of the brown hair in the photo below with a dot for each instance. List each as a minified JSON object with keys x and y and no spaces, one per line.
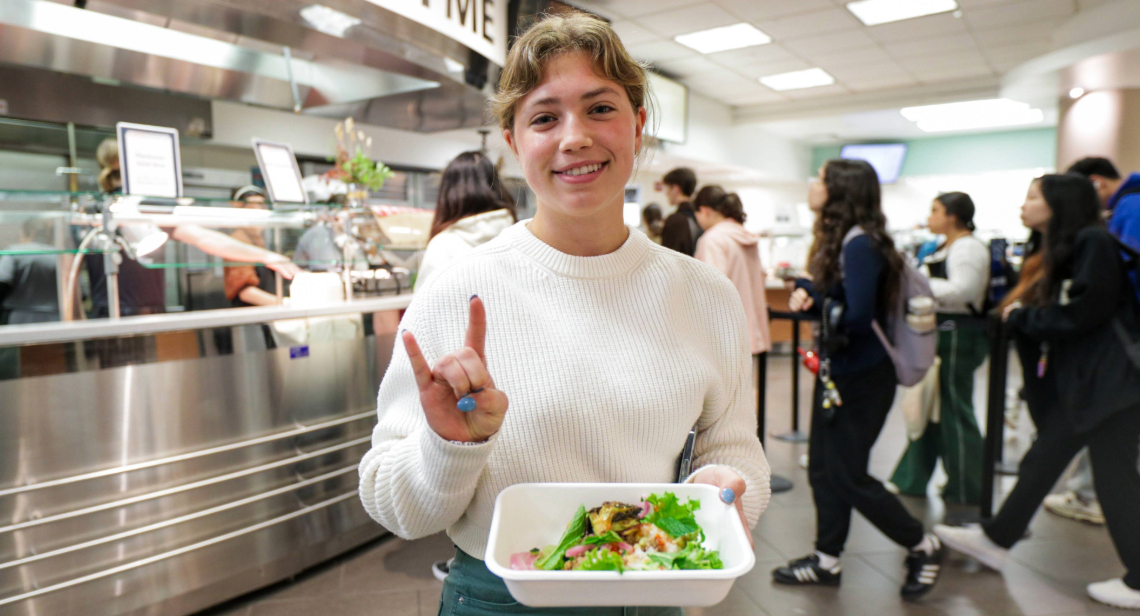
{"x":554,"y":36}
{"x":469,"y":186}
{"x":853,"y":198}
{"x":683,"y":178}
{"x":107,"y":155}
{"x":725,"y":203}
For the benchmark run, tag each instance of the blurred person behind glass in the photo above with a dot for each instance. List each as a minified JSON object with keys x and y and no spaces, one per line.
{"x":472,"y":209}
{"x":142,"y":290}
{"x":248,"y":284}
{"x":29,"y":291}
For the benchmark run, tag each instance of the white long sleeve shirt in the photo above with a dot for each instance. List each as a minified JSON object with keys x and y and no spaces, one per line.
{"x":607,"y":361}
{"x":967,"y":276}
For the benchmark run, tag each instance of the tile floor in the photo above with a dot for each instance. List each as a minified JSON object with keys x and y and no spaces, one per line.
{"x":1046,"y":576}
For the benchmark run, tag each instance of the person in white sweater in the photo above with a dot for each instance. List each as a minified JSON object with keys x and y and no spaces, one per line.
{"x":959,"y":278}
{"x":570,"y":348}
{"x":472,"y":209}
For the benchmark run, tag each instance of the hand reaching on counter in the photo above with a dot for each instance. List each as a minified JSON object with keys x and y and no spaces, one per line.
{"x":283,"y":266}
{"x":458,"y":394}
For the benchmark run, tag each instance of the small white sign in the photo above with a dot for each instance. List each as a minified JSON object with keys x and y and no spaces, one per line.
{"x":149,"y":160}
{"x":479,"y":24}
{"x":280,"y":170}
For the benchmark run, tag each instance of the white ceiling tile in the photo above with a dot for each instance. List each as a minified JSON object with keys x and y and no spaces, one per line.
{"x":1085,"y":5}
{"x":688,"y":67}
{"x":885,"y":82}
{"x":599,"y":7}
{"x":889,"y":68}
{"x":1011,"y":56}
{"x":1014,"y":14}
{"x":812,"y":46}
{"x":716,"y":87}
{"x":920,"y":65}
{"x":970,"y":4}
{"x":953,"y":73}
{"x":637,"y":8}
{"x":753,"y":10}
{"x":633,"y":34}
{"x":1036,"y":32}
{"x":809,"y":24}
{"x":865,"y":55}
{"x":657,"y":52}
{"x":759,"y":54}
{"x":820,"y":92}
{"x":929,"y":47}
{"x":759,"y":98}
{"x":690,"y":19}
{"x":944,"y":24}
{"x":756,"y":71}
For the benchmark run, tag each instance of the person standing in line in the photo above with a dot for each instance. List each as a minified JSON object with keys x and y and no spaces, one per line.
{"x":734,"y":252}
{"x":249,"y":284}
{"x":855,"y":278}
{"x":654,"y":222}
{"x":504,"y":370}
{"x":1081,"y":312}
{"x":472,"y":209}
{"x":29,"y":291}
{"x":681,"y":230}
{"x":959,"y":278}
{"x":1121,"y":200}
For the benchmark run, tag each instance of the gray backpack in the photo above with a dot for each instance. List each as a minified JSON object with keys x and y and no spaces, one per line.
{"x":912,"y":341}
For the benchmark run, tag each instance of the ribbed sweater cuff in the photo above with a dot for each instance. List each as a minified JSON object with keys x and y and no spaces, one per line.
{"x":451,"y":467}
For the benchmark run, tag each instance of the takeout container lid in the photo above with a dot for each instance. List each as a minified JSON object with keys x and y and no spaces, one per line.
{"x":531,"y":515}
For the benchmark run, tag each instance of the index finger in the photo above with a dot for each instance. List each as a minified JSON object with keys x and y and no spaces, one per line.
{"x":419,"y":365}
{"x":477,"y":327}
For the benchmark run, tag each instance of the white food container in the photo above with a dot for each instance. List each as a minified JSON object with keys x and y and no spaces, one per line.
{"x":531,"y":515}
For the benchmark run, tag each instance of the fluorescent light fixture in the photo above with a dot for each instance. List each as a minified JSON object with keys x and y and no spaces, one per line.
{"x":724,"y":38}
{"x":1076,"y":93}
{"x":329,"y":21}
{"x":969,"y":115}
{"x":875,"y":12}
{"x":797,"y":80}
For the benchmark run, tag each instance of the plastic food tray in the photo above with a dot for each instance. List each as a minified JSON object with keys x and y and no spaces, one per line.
{"x":533,"y":515}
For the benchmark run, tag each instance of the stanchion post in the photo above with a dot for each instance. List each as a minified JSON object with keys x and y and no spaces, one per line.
{"x":995,"y":412}
{"x":777,"y":483}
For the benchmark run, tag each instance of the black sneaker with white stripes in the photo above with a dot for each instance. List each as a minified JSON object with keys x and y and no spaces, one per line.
{"x":923,"y":570}
{"x":807,"y":571}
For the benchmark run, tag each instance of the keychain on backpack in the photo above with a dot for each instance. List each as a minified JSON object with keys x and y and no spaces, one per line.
{"x":1043,"y":361}
{"x":831,"y":397}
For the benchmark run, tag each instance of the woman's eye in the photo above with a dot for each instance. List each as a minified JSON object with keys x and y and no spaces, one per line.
{"x":603,"y":109}
{"x":542,"y":119}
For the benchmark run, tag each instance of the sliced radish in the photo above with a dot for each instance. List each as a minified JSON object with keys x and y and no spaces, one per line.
{"x":646,"y":509}
{"x":523,"y":561}
{"x":577,"y":551}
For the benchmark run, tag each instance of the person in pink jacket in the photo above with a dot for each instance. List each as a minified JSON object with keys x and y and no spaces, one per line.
{"x":734,"y":252}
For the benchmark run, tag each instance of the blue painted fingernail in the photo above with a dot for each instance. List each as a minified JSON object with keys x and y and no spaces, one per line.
{"x":728,"y":495}
{"x":472,"y":298}
{"x":467,"y":404}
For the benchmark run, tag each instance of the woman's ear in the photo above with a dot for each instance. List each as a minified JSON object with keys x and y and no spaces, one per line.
{"x":640,"y":127}
{"x":510,"y":139}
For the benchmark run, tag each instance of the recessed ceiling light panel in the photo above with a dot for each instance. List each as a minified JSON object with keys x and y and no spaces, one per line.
{"x":736,"y":36}
{"x":989,"y":113}
{"x":875,"y":12}
{"x":797,"y":80}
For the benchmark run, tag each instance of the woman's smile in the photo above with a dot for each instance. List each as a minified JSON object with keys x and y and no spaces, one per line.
{"x":582,"y":173}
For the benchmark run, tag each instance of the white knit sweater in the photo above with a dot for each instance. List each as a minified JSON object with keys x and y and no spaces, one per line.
{"x":607,"y":362}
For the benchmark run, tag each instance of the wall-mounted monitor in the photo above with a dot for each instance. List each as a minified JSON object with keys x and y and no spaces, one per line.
{"x":672,"y":119}
{"x":886,"y":158}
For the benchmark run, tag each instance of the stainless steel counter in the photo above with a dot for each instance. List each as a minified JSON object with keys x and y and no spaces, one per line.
{"x":160,"y":465}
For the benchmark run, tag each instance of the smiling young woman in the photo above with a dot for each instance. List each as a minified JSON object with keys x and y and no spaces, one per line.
{"x":606,"y":348}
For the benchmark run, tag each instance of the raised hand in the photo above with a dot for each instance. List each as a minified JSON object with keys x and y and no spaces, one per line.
{"x":460,"y":380}
{"x":800,"y":301}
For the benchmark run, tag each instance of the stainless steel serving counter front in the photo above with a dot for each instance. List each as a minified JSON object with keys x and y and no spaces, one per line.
{"x":164,"y":464}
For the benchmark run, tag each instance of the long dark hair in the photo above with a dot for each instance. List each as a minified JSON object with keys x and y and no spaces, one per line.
{"x":470,"y":185}
{"x":960,"y":206}
{"x":726,"y":203}
{"x":1076,"y":206}
{"x":853,"y":198}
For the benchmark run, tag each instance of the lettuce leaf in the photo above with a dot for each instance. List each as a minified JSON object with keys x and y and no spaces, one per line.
{"x":601,"y":560}
{"x":609,"y":537}
{"x":672,"y":516}
{"x":573,"y":535}
{"x":691,"y":557}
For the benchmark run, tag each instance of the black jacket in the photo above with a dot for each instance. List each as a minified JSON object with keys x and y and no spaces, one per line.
{"x":681,"y":230}
{"x":1095,"y":376}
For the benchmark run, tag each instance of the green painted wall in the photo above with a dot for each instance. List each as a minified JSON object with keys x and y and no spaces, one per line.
{"x":1019,"y":149}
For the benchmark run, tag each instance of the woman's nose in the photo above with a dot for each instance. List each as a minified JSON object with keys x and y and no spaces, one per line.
{"x":575,"y":135}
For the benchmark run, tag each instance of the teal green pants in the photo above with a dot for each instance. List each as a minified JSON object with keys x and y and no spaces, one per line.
{"x":956,"y":438}
{"x":472,"y":590}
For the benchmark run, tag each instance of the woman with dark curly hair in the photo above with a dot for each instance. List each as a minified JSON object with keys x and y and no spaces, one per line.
{"x":856,"y":274}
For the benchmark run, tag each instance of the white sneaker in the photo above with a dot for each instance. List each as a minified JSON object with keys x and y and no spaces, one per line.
{"x":972,"y":541}
{"x":1070,"y":505}
{"x":1116,"y":594}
